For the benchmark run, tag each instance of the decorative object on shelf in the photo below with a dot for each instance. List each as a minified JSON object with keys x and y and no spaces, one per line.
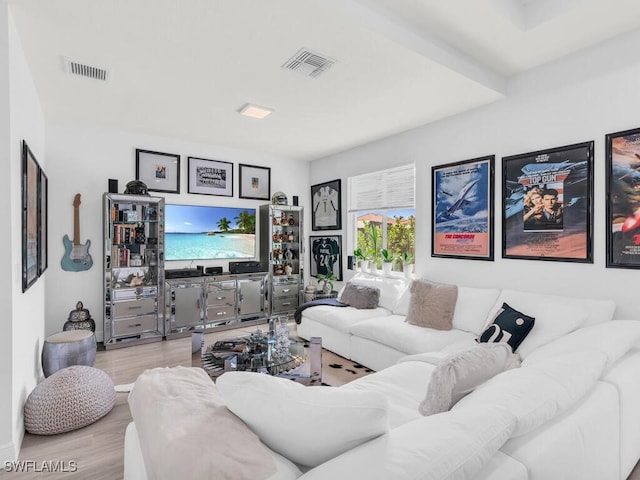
{"x":76,"y":256}
{"x":282,"y":342}
{"x":327,"y":211}
{"x":210,"y":177}
{"x":34,"y":215}
{"x":407,"y":264}
{"x":326,"y":256}
{"x":325,"y":281}
{"x":462,"y":209}
{"x":136,"y":187}
{"x":80,"y":319}
{"x":309,"y":292}
{"x":547,"y":200}
{"x":623,"y":203}
{"x":387,"y":261}
{"x":255,"y":182}
{"x":279,"y":198}
{"x":160,"y":171}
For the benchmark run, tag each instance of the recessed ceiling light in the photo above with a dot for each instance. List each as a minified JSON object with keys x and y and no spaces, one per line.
{"x":254,"y":111}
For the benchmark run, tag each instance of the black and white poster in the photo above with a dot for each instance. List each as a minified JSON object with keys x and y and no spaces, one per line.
{"x":210,"y":177}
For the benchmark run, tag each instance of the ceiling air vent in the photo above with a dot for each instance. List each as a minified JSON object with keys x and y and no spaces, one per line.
{"x":88,"y":71}
{"x":308,"y":63}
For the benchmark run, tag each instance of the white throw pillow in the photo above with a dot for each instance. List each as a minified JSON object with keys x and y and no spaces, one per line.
{"x":555,"y":316}
{"x":451,"y":446}
{"x":458,"y":374}
{"x":307,"y":425}
{"x":472,"y":308}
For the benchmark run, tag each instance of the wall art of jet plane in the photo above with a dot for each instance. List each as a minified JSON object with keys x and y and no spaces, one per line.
{"x":460,"y":200}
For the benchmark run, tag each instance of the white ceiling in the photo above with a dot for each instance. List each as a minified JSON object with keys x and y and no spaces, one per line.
{"x":183,"y":68}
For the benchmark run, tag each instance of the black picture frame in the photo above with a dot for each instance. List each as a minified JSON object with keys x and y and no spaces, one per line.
{"x":159,"y":171}
{"x":255,"y":182}
{"x":30,"y":247}
{"x":326,"y":206}
{"x":462,"y":219}
{"x":622,"y":164}
{"x":43,"y":222}
{"x":326,"y":254}
{"x":210,"y":177}
{"x":565,"y":232}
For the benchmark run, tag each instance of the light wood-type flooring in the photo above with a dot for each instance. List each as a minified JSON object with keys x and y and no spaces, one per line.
{"x":98,"y":449}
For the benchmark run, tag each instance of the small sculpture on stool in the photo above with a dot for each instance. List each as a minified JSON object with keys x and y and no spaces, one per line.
{"x":79,"y":319}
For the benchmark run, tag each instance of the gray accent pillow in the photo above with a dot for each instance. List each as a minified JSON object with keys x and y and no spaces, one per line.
{"x":360,"y":296}
{"x":460,"y":373}
{"x":432,"y":304}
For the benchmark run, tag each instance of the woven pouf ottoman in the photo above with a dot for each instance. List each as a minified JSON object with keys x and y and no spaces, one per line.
{"x":71,"y":398}
{"x":63,"y":349}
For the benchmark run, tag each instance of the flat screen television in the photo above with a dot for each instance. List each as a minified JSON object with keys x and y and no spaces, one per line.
{"x":196,"y":232}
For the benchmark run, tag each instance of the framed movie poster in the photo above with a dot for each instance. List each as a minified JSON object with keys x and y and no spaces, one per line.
{"x":623,"y":199}
{"x":326,"y":213}
{"x":462,"y":209}
{"x":30,"y":246}
{"x":326,"y":256}
{"x":547,"y":200}
{"x":210,"y":177}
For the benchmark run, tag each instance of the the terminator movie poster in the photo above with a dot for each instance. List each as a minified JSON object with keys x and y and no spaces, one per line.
{"x":547,"y":204}
{"x":623,"y":199}
{"x":462,"y":213}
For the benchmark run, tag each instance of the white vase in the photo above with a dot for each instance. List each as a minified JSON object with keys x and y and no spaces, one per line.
{"x":386,"y":267}
{"x":407,"y":268}
{"x":364,"y":265}
{"x":372,"y":267}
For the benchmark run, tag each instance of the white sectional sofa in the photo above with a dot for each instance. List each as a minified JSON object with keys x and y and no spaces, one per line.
{"x":569,"y":412}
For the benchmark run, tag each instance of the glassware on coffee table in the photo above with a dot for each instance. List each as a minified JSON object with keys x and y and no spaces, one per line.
{"x":272,"y":353}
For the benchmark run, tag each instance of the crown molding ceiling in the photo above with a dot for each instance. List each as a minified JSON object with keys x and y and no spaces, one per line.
{"x":184,"y":69}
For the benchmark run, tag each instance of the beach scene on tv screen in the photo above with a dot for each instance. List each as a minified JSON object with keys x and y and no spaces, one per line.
{"x":194,"y":232}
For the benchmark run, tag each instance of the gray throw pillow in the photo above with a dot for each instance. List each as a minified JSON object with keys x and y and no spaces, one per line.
{"x":460,"y":373}
{"x":432,"y":304}
{"x":360,"y":296}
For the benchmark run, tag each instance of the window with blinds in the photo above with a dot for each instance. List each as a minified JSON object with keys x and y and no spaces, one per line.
{"x":381,"y":209}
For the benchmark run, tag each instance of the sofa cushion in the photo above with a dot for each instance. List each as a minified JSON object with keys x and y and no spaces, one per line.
{"x":473,"y":307}
{"x":460,"y":373}
{"x":454,"y":445}
{"x":555,"y":316}
{"x":308,"y":425}
{"x":394,"y":332}
{"x":390,"y":288}
{"x":537,"y":393}
{"x":360,"y":296}
{"x":508,"y":326}
{"x":342,"y":318}
{"x":432,"y":304}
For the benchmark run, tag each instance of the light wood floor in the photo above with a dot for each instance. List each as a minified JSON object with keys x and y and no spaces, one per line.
{"x":98,"y":448}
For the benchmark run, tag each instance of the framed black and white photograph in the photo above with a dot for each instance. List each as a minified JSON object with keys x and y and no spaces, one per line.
{"x":43,"y":220}
{"x":326,"y":255}
{"x":30,"y":247}
{"x":326,"y":213}
{"x":210,"y":177}
{"x":255,"y":182}
{"x":462,"y":209}
{"x":159,"y":171}
{"x":547,"y":205}
{"x":622,"y":165}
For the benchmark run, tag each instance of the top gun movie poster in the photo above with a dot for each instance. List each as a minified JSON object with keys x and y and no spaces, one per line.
{"x":547,"y":204}
{"x":462,"y":209}
{"x":623,"y":199}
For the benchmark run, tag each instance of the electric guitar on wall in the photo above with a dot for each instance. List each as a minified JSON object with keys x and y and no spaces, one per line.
{"x":76,"y":256}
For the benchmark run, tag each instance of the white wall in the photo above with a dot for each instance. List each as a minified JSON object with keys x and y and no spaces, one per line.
{"x":582,"y":97}
{"x":23,"y":325}
{"x":81,"y":159}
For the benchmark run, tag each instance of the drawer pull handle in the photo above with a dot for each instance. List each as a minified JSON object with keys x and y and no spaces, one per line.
{"x":135,"y":308}
{"x":136,"y":325}
{"x":220,"y":298}
{"x":286,"y":304}
{"x":286,"y":290}
{"x":221,"y":313}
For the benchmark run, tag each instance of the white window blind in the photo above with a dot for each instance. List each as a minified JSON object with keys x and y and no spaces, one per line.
{"x":385,"y":189}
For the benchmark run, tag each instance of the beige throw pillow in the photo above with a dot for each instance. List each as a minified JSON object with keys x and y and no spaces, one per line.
{"x":432,"y":304}
{"x":460,"y":373}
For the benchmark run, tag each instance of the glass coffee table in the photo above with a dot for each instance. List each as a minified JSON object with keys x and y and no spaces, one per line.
{"x":261,"y":352}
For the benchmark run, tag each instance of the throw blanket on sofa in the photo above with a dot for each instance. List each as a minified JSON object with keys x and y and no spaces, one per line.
{"x":186,"y":430}
{"x":321,"y":301}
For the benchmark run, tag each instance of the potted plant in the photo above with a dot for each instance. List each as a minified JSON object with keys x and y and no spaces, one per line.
{"x":325,"y":281}
{"x":407,"y":264}
{"x":375,"y":237}
{"x":387,"y":261}
{"x":360,"y":256}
